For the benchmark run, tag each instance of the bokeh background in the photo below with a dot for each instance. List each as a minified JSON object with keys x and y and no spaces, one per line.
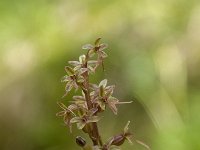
{"x":154,"y":59}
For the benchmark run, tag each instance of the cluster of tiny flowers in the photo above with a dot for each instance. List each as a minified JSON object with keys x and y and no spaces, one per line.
{"x":83,"y":109}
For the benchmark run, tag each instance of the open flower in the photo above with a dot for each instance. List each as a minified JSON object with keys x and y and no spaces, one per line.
{"x":67,"y":113}
{"x":98,"y":49}
{"x":91,"y":64}
{"x":88,"y":117}
{"x":102,"y":95}
{"x":73,"y":78}
{"x":80,"y":102}
{"x":78,"y":64}
{"x":101,"y":89}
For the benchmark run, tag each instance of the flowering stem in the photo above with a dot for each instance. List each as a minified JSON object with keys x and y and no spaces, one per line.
{"x":95,"y":136}
{"x":85,"y":108}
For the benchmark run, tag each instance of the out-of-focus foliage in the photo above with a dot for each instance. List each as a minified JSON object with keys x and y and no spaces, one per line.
{"x":154,"y":59}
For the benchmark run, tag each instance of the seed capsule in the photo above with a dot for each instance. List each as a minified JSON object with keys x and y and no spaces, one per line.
{"x":80,"y":141}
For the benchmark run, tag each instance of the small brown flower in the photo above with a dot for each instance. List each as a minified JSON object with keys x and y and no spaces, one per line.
{"x":102,"y":95}
{"x":82,"y":64}
{"x":97,"y":48}
{"x":86,"y":118}
{"x":67,"y":113}
{"x":73,"y":79}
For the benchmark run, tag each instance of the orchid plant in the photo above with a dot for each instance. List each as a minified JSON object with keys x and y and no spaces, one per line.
{"x":84,"y":109}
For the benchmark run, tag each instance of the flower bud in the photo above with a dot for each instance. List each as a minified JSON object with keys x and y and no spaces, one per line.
{"x":80,"y":141}
{"x":118,"y":140}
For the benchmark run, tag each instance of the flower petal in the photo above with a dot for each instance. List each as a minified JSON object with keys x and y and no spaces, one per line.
{"x":91,"y":70}
{"x":82,"y":59}
{"x":112,"y":106}
{"x":129,"y":139}
{"x":74,"y":63}
{"x":66,"y":119}
{"x":62,"y":105}
{"x":87,"y":46}
{"x":109,"y":91}
{"x":103,"y":46}
{"x":126,"y":127}
{"x":81,"y":125}
{"x":77,"y":68}
{"x":102,"y":105}
{"x":66,"y":78}
{"x":91,"y":52}
{"x":61,"y":113}
{"x":78,"y":98}
{"x":92,"y":62}
{"x":93,"y":119}
{"x":69,"y":70}
{"x":80,"y":79}
{"x":97,"y":41}
{"x":82,"y":70}
{"x":75,"y":119}
{"x":93,"y":86}
{"x":69,"y":86}
{"x":92,"y":111}
{"x":143,"y":144}
{"x":102,"y":54}
{"x":103,"y":83}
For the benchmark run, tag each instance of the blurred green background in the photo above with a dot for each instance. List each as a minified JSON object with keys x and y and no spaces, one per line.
{"x":154,"y":59}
